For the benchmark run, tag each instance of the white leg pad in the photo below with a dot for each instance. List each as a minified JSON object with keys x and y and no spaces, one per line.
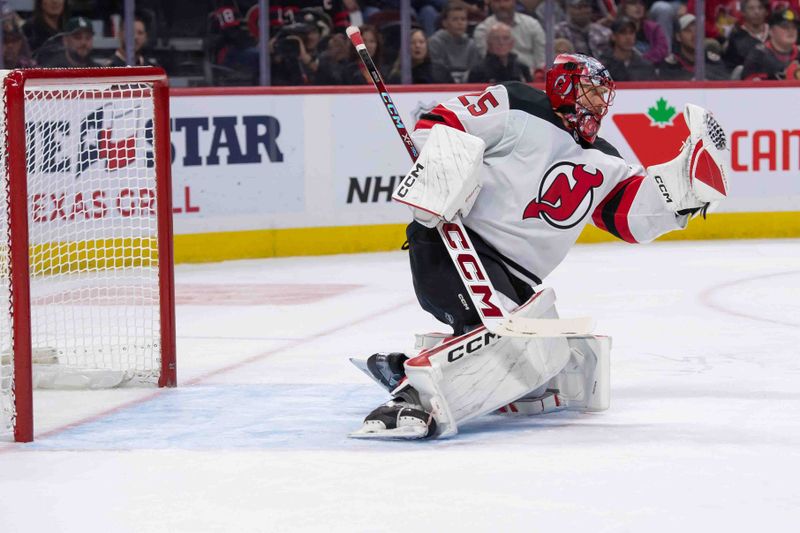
{"x":585,"y":382}
{"x":477,"y":373}
{"x":426,"y":341}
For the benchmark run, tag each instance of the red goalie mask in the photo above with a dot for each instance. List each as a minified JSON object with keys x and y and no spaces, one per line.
{"x":580,"y":88}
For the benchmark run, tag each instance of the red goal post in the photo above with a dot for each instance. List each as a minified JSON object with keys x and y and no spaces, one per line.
{"x":86,"y":268}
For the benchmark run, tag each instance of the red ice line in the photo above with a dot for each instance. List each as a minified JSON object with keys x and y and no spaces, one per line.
{"x":706,"y":298}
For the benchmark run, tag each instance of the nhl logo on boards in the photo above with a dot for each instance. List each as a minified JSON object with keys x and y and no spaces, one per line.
{"x":565,"y":194}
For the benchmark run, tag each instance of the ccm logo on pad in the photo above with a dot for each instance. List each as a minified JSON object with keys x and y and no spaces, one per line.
{"x":471,"y":346}
{"x":663,"y":189}
{"x":409,"y":181}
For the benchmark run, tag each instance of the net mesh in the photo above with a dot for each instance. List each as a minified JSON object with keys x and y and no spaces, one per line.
{"x":93,"y":235}
{"x":716,"y":132}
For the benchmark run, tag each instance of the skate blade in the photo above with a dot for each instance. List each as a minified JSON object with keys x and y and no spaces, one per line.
{"x":401,"y":433}
{"x":361,"y":364}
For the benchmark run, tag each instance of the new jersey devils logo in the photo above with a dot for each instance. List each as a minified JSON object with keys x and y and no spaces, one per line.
{"x":565,"y":195}
{"x":563,"y":85}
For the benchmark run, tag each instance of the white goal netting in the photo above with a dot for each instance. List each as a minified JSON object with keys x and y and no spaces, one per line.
{"x":93,"y":239}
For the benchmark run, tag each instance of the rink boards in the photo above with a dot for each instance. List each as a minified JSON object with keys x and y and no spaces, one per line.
{"x":276,"y":172}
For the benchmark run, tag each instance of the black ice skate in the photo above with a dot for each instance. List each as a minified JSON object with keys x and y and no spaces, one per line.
{"x":385,"y":368}
{"x":397,"y":419}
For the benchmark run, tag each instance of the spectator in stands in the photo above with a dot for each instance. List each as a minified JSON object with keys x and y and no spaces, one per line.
{"x":624,"y":62}
{"x":665,"y":13}
{"x":500,"y":63}
{"x":423,"y":69}
{"x":651,"y":41}
{"x":77,"y":45}
{"x":680,"y":64}
{"x":603,"y":11}
{"x":337,"y":62}
{"x":119,"y":59}
{"x":562,"y":46}
{"x":428,"y":14}
{"x":751,"y":32}
{"x":588,"y":38}
{"x":291,"y":64}
{"x":536,"y":8}
{"x":528,"y":33}
{"x":477,"y":10}
{"x":777,"y":59}
{"x":16,"y":52}
{"x":286,"y":12}
{"x":451,"y":46}
{"x":354,"y":12}
{"x":47,"y":21}
{"x":319,"y":25}
{"x":721,"y":17}
{"x":230,"y":46}
{"x":353,"y":71}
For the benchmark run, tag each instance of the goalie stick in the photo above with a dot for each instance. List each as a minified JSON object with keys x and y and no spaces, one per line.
{"x":484,"y":296}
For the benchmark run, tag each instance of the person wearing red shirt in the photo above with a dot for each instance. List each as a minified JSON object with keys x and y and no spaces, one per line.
{"x":721,"y":17}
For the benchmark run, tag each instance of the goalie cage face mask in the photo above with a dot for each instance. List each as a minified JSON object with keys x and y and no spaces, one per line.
{"x":580,"y":88}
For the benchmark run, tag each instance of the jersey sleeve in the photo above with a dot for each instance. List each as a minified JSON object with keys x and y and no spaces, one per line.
{"x":634,"y":211}
{"x":483,"y":114}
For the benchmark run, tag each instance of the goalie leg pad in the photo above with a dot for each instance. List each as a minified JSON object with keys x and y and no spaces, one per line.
{"x":479,"y":372}
{"x":585,"y":382}
{"x":540,"y":404}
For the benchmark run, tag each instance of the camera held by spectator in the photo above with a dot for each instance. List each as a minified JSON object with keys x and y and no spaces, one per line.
{"x":291,"y":62}
{"x":289,"y":40}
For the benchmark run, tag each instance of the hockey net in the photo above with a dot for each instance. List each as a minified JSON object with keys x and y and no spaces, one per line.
{"x":95,"y":170}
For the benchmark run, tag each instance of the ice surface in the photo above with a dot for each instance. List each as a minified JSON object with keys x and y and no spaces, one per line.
{"x":703,"y":433}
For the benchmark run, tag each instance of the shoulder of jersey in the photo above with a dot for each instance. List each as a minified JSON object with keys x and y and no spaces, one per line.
{"x":606,"y":147}
{"x":525,"y":98}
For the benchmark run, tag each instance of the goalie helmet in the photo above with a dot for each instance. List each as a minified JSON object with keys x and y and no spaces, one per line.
{"x":581,"y":89}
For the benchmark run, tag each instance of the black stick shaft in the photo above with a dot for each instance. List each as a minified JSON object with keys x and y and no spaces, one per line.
{"x":386,"y":99}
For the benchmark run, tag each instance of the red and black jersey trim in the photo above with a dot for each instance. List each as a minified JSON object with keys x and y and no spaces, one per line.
{"x":439,"y":115}
{"x":611,"y":214}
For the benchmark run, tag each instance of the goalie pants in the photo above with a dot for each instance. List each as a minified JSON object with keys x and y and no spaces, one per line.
{"x":438,"y":286}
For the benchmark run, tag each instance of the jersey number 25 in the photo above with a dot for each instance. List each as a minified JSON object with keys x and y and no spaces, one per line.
{"x":481,"y":107}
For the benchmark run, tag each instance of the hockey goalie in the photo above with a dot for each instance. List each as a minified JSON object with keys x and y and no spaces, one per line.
{"x":525,"y":171}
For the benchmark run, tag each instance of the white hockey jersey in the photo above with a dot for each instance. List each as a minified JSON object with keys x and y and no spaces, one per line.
{"x":540,"y":187}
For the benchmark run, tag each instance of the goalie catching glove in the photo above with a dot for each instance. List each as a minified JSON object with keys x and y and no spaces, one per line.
{"x":444,"y":181}
{"x":698,"y":177}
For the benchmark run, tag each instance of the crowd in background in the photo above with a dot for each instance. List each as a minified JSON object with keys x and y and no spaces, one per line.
{"x":453,"y":41}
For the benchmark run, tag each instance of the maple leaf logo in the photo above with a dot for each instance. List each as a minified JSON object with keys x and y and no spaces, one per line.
{"x":655,"y":136}
{"x":662,"y":114}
